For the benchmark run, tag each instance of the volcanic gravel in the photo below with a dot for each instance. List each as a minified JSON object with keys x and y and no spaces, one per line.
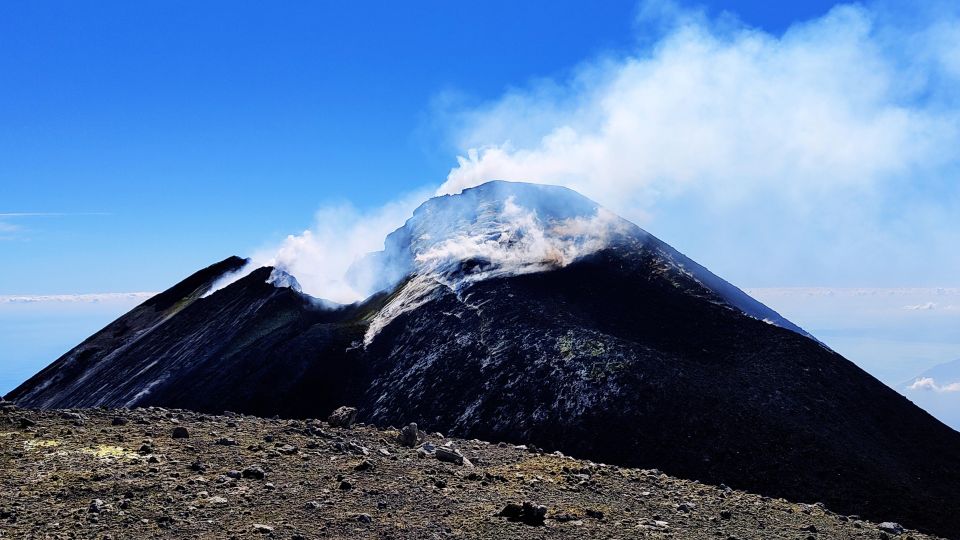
{"x":158,"y":473}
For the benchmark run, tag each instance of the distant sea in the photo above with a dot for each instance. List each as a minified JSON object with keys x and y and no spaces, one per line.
{"x":36,"y":330}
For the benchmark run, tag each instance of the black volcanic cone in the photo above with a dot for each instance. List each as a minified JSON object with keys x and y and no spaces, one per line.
{"x":621,"y":356}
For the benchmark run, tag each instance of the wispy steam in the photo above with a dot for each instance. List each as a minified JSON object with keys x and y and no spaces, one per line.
{"x":519,"y":242}
{"x":320,"y":257}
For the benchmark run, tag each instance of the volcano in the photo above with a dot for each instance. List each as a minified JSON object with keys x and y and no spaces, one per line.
{"x":528,"y":313}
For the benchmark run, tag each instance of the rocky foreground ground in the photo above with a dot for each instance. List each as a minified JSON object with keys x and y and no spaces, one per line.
{"x":157,"y":473}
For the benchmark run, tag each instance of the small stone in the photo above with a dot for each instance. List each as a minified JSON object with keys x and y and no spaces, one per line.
{"x":312,"y":505}
{"x":217,"y":501}
{"x":343,"y":417}
{"x":511,"y":511}
{"x":528,"y":513}
{"x":262,"y":529}
{"x":226,"y":441}
{"x":254,"y":472}
{"x":534,"y":514}
{"x":345,"y":485}
{"x":26,"y":422}
{"x":410,"y":435}
{"x":288,"y":449}
{"x":118,"y":421}
{"x":595,"y":514}
{"x":363,"y":518}
{"x":725,"y":514}
{"x":145,"y":449}
{"x":363,"y":465}
{"x":180,"y":432}
{"x":686,"y":506}
{"x":890,"y":527}
{"x":809,"y":528}
{"x":448,"y":454}
{"x":235,"y":474}
{"x":96,"y":506}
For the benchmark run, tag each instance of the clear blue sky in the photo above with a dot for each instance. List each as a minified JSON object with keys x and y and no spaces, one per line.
{"x":194,"y":131}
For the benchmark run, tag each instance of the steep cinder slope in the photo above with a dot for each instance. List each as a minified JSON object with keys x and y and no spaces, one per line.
{"x":251,"y":347}
{"x":87,"y":370}
{"x":605,"y":359}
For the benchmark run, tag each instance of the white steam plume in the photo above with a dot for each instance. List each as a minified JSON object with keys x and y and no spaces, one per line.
{"x":842,"y":129}
{"x":829,"y":149}
{"x":319,"y":257}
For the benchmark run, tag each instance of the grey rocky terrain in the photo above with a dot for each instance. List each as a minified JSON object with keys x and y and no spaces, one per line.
{"x":163,"y":473}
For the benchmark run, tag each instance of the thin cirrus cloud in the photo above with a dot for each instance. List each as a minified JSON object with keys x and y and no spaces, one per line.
{"x":15,"y":231}
{"x":830,"y":148}
{"x":74,"y":298}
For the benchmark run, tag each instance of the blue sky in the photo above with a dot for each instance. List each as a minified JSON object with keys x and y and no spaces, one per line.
{"x":204,"y":131}
{"x":801,"y":146}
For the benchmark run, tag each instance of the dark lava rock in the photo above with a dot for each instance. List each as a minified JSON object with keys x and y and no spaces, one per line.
{"x":254,"y":472}
{"x":363,"y":518}
{"x":890,"y":527}
{"x":528,"y":512}
{"x":180,"y":432}
{"x":226,"y":441}
{"x":410,"y":435}
{"x":96,"y":506}
{"x":451,"y":455}
{"x":595,"y":514}
{"x":345,"y":485}
{"x":343,"y":417}
{"x":118,"y":421}
{"x":262,"y":529}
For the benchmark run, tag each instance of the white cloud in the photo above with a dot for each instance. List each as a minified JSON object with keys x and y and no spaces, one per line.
{"x":842,"y":131}
{"x":926,"y":306}
{"x":74,"y":298}
{"x":929,"y":384}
